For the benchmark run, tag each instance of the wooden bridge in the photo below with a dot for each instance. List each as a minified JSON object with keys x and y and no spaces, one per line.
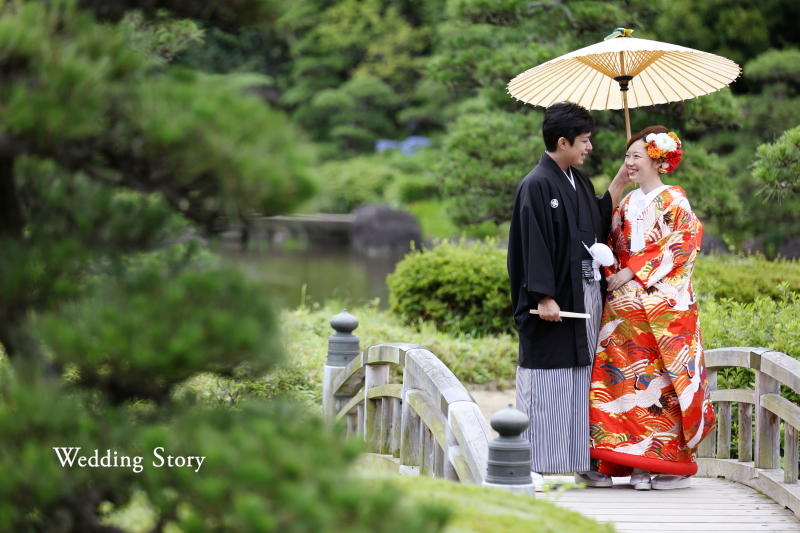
{"x":424,"y":422}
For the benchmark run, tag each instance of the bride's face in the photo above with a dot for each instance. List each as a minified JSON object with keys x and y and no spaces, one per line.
{"x":641,"y":167}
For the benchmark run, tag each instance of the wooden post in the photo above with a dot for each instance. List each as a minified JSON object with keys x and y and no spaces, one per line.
{"x":426,"y":445}
{"x":375,"y":375}
{"x":360,"y":419}
{"x":767,"y":425}
{"x":449,"y":470}
{"x":397,"y":426}
{"x":723,"y":430}
{"x":438,"y":460}
{"x":789,"y":453}
{"x":745,"y":432}
{"x":409,"y":433}
{"x":352,"y":424}
{"x":386,"y":426}
{"x":707,"y":448}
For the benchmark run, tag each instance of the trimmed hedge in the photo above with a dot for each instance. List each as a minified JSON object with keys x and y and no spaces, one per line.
{"x":462,"y":287}
{"x":456,"y":286}
{"x":745,"y":278}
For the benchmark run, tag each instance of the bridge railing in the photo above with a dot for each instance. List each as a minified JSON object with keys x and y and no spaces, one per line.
{"x":424,"y":423}
{"x":414,"y":414}
{"x":759,"y":460}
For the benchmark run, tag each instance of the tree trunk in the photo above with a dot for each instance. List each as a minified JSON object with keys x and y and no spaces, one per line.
{"x":11,"y":222}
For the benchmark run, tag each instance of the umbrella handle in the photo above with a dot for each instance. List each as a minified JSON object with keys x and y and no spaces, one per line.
{"x":623,"y":88}
{"x":627,"y":116}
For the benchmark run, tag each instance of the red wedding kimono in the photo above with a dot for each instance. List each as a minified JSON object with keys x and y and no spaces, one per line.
{"x":649,"y":399}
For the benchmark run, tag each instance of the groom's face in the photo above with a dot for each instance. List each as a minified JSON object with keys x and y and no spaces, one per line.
{"x":575,"y":154}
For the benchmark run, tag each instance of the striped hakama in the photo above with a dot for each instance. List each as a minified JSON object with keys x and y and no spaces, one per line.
{"x":557,"y":402}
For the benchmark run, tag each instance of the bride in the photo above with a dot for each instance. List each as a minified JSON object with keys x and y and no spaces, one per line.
{"x":649,"y":400}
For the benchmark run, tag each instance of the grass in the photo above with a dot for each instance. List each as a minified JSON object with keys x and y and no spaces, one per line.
{"x":487,"y":510}
{"x":433,"y":219}
{"x":485,"y":361}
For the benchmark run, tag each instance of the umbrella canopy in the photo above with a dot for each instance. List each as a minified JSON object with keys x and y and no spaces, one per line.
{"x":624,"y":72}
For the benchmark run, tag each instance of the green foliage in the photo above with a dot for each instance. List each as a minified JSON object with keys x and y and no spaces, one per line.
{"x":109,"y":305}
{"x":356,"y":69}
{"x":739,"y":31}
{"x":352,"y":116}
{"x":287,"y":470}
{"x":411,"y":188}
{"x":371,"y":37}
{"x":389,"y":177}
{"x":718,"y":110}
{"x":777,"y":165}
{"x":707,"y":184}
{"x":271,"y":442}
{"x":765,"y":322}
{"x":485,"y":510}
{"x":161,"y":37}
{"x":345,"y":185}
{"x":260,"y":50}
{"x":775,"y":66}
{"x":141,"y":335}
{"x":433,"y":219}
{"x":744,"y":279}
{"x":487,"y":156}
{"x":228,"y":13}
{"x":484,"y":57}
{"x":127,"y":112}
{"x":455,"y":287}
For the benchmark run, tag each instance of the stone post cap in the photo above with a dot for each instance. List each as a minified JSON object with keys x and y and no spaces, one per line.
{"x":509,"y":461}
{"x":510,"y":422}
{"x":343,"y":346}
{"x":344,"y":322}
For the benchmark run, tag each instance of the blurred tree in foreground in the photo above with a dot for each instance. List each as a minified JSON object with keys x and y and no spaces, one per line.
{"x":107,"y":157}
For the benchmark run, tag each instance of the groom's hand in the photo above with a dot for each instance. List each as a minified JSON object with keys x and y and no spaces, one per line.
{"x":549,"y":310}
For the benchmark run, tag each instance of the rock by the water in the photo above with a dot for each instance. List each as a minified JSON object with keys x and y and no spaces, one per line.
{"x":754,"y":245}
{"x":378,"y":229}
{"x":791,"y":249}
{"x":714,"y":245}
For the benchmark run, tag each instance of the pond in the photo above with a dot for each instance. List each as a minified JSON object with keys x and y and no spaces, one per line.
{"x":318,"y":275}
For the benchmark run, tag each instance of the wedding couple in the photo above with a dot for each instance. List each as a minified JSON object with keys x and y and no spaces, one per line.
{"x":624,"y":391}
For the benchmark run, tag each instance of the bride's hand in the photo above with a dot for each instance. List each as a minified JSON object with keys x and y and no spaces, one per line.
{"x":615,"y":281}
{"x":622,"y":176}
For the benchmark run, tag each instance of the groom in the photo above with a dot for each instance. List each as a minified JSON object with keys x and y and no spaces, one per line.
{"x":556,"y":218}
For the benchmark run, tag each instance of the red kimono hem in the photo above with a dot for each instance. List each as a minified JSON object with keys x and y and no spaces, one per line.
{"x":653,"y":465}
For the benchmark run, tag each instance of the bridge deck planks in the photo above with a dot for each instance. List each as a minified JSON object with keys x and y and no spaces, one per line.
{"x":709,"y":506}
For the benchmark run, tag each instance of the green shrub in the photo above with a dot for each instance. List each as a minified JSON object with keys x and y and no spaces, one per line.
{"x":413,"y":188}
{"x":344,"y":185}
{"x":390,"y":177}
{"x":744,"y":279}
{"x":455,"y":286}
{"x":764,"y":323}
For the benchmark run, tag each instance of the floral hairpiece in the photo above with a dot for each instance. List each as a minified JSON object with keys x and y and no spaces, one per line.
{"x":667,"y":147}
